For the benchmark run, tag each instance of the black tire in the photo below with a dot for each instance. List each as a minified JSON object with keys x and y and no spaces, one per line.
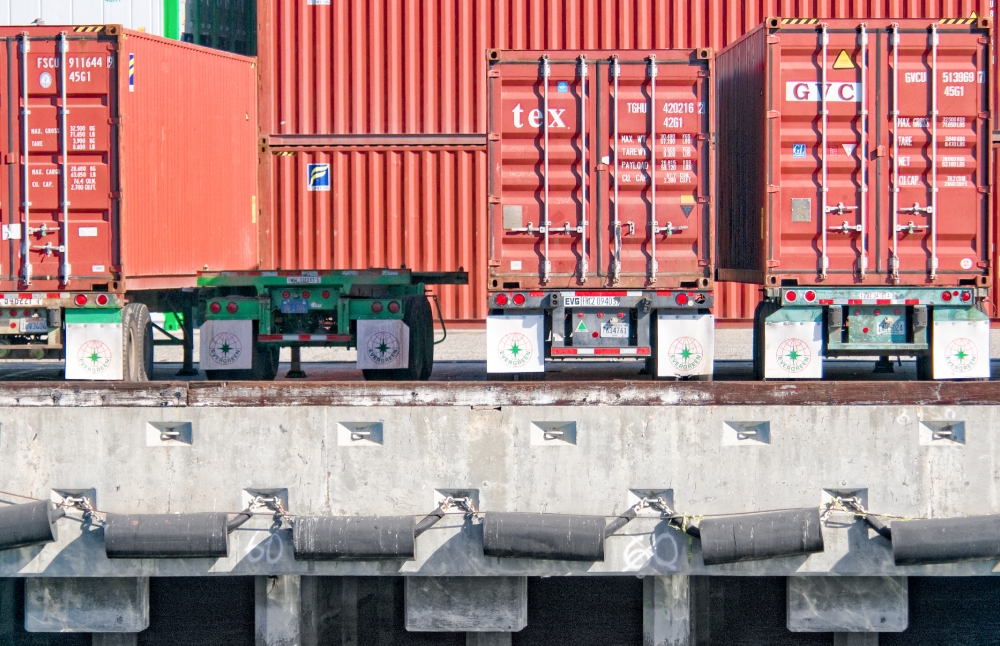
{"x":137,"y":343}
{"x":764,"y":309}
{"x":263,"y":366}
{"x":419,"y":319}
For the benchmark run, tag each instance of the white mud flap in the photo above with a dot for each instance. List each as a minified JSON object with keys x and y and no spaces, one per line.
{"x":961,"y":349}
{"x":226,"y":345}
{"x":793,"y":350}
{"x":383,"y":345}
{"x":685,"y":344}
{"x":515,"y":343}
{"x":94,"y":344}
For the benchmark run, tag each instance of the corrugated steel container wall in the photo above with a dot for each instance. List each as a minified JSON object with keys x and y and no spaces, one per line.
{"x":418,"y":66}
{"x":776,"y":178}
{"x":188,"y":160}
{"x":422,"y":208}
{"x":413,"y":67}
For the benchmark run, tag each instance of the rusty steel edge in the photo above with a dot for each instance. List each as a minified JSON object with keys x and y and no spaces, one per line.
{"x":484,"y":396}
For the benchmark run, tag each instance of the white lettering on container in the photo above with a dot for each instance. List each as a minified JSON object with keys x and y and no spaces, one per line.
{"x":810,"y":91}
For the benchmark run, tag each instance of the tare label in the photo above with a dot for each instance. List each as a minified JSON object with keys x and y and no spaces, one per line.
{"x":811,"y":91}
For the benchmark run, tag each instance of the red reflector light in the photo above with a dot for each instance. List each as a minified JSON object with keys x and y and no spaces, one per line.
{"x":681,"y":299}
{"x":305,"y":294}
{"x":215,"y":308}
{"x":790,"y":296}
{"x":810,"y":296}
{"x":501,"y":299}
{"x":81,"y":299}
{"x":518,"y":299}
{"x":13,"y":312}
{"x":102,"y":299}
{"x":966,"y":297}
{"x":946,"y":296}
{"x":536,"y":294}
{"x":232,"y":307}
{"x":393,"y":306}
{"x":878,"y":312}
{"x":377,"y":307}
{"x":326,"y":294}
{"x":285,"y":294}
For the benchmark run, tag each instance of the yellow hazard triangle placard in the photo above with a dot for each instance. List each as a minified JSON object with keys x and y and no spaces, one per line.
{"x":844,"y":61}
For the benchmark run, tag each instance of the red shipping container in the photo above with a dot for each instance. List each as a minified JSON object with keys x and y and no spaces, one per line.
{"x":579,"y":197}
{"x":826,"y":186}
{"x":422,"y":207}
{"x":131,"y":160}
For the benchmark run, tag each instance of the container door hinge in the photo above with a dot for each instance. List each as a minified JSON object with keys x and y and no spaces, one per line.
{"x":983,"y":189}
{"x":983,"y":264}
{"x":881,"y":151}
{"x":494,"y":199}
{"x":773,"y":263}
{"x":10,"y":158}
{"x":493,"y":263}
{"x":771,"y":188}
{"x":773,"y":40}
{"x":984,"y":115}
{"x":773,"y":114}
{"x":703,"y":262}
{"x":493,"y":136}
{"x":115,"y":195}
{"x":493,"y":74}
{"x":114,"y":121}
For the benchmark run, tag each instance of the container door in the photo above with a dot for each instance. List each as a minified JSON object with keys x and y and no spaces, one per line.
{"x":935,"y":85}
{"x":826,"y":106}
{"x":541,"y":226}
{"x":659,"y":178}
{"x":60,"y":231}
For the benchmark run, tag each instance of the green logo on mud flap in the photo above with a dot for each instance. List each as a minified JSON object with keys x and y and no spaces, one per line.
{"x":515,"y":350}
{"x":794,"y":355}
{"x":685,"y":353}
{"x":225,"y":348}
{"x":961,"y":355}
{"x":383,"y":347}
{"x":94,"y":356}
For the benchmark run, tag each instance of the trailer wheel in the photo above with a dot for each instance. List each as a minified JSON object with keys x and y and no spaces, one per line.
{"x":764,"y":309}
{"x":137,"y":343}
{"x":419,"y":319}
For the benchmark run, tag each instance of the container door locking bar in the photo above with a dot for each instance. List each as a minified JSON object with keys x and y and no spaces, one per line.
{"x":616,"y":262}
{"x":546,"y":264}
{"x":583,"y":171}
{"x":933,"y":264}
{"x":894,"y":260}
{"x":25,"y":172}
{"x":653,"y":264}
{"x":824,"y":113}
{"x":64,"y":267}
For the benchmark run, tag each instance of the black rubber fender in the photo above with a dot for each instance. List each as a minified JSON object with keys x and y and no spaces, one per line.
{"x":165,"y":536}
{"x":544,"y":536}
{"x":322,"y":538}
{"x":944,"y":540}
{"x":29,"y":524}
{"x":764,"y":535}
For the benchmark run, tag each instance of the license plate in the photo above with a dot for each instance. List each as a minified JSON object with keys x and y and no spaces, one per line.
{"x":34,"y":326}
{"x":614,"y":331}
{"x":591,"y":301}
{"x":299,"y":306}
{"x":302,"y":280}
{"x":8,"y":302}
{"x":877,"y":296}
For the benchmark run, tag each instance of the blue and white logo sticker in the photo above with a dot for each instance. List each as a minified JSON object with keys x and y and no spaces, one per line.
{"x":318,"y":177}
{"x":799,"y":151}
{"x":131,"y":72}
{"x":562,"y":86}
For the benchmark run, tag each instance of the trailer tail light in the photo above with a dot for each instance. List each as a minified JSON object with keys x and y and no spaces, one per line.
{"x":215,"y":308}
{"x":13,"y":312}
{"x":285,"y":294}
{"x":326,"y":294}
{"x":966,"y":297}
{"x":501,"y":299}
{"x":790,"y":296}
{"x":232,"y":307}
{"x":102,"y":299}
{"x":518,"y":299}
{"x":946,"y":296}
{"x":393,"y":306}
{"x":305,"y":294}
{"x":681,"y":299}
{"x":81,"y":299}
{"x":810,"y":296}
{"x":377,"y":306}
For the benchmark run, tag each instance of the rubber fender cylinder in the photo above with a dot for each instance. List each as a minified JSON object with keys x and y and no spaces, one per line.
{"x":943,"y":540}
{"x":318,"y":538}
{"x":769,"y":534}
{"x":544,"y":536}
{"x":29,"y":524}
{"x":166,"y":536}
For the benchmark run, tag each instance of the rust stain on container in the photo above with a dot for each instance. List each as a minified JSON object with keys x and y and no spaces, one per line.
{"x":157,"y":151}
